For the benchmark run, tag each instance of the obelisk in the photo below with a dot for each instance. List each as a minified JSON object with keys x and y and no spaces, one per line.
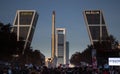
{"x":53,"y":36}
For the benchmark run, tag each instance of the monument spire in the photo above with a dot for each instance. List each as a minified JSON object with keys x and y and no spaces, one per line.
{"x":53,"y":35}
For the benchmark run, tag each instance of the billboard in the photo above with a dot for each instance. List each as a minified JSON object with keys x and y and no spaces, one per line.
{"x":114,"y":61}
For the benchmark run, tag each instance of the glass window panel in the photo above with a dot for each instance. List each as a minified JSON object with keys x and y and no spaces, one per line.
{"x":93,"y":18}
{"x":60,"y":38}
{"x":60,"y":52}
{"x":60,"y":44}
{"x":104,"y":32}
{"x":60,"y":56}
{"x":24,"y":32}
{"x":95,"y":32}
{"x":26,"y":18}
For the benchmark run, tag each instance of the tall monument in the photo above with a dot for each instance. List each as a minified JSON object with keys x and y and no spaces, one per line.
{"x":53,"y":36}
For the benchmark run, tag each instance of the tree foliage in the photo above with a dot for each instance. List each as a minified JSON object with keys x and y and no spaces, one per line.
{"x":8,"y":42}
{"x":32,"y":56}
{"x":109,"y":43}
{"x":86,"y":56}
{"x":9,"y":46}
{"x":75,"y":58}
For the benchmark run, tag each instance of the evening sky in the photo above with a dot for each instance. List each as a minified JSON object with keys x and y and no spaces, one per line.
{"x":69,"y":15}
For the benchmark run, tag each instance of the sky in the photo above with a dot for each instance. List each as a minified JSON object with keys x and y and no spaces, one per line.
{"x":69,"y":15}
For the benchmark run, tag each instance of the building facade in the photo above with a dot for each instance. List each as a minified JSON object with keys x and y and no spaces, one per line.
{"x":96,"y":25}
{"x":24,"y":25}
{"x":60,"y":46}
{"x":67,"y":52}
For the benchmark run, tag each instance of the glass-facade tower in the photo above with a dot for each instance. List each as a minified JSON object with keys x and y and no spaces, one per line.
{"x":67,"y":52}
{"x":60,"y":46}
{"x":24,"y":25}
{"x":96,"y":25}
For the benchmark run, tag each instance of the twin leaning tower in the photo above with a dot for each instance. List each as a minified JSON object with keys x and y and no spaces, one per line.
{"x":25,"y":23}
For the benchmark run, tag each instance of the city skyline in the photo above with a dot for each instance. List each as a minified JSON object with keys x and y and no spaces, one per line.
{"x":68,"y":15}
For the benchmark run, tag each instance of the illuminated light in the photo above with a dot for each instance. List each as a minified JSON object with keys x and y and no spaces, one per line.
{"x":26,"y":13}
{"x":92,"y":12}
{"x":88,"y":12}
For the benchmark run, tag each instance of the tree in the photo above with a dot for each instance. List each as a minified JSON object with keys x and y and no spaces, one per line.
{"x":109,"y":43}
{"x":86,"y":55}
{"x":32,"y":56}
{"x":8,"y":42}
{"x":114,"y":42}
{"x":75,"y":58}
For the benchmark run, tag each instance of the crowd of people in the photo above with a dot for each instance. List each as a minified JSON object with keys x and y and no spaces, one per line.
{"x":58,"y":70}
